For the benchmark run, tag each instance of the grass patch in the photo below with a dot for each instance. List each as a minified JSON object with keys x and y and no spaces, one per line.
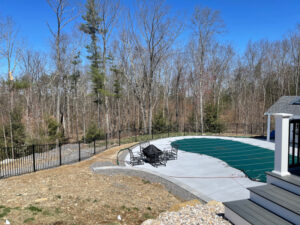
{"x":148,"y":216}
{"x":125,"y":208}
{"x":5,"y":211}
{"x":34,"y":209}
{"x":28,"y":220}
{"x":57,"y":210}
{"x":146,"y":181}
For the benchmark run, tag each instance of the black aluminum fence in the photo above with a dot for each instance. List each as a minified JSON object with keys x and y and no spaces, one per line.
{"x":26,"y":159}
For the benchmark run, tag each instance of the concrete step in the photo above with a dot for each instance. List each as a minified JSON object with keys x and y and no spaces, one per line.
{"x":245,"y":212}
{"x":277,"y":200}
{"x":290,"y":182}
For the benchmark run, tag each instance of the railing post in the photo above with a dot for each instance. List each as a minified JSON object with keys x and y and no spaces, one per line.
{"x":79,"y":151}
{"x":281,"y":163}
{"x":293,"y":143}
{"x":119,"y":137}
{"x":59,"y":147}
{"x":33,"y":158}
{"x":94,"y":147}
{"x":106,"y":141}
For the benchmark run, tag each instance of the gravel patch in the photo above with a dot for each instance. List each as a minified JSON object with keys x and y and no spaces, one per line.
{"x":210,"y":213}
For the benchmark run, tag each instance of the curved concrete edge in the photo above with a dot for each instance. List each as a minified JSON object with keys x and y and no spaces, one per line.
{"x":122,"y":158}
{"x":174,"y":186}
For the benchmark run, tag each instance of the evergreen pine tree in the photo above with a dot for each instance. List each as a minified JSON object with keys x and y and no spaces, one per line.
{"x":92,"y":28}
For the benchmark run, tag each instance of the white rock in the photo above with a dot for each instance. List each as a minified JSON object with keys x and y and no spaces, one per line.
{"x":119,"y":217}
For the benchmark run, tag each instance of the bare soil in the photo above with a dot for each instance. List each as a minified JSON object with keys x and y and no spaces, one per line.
{"x":73,"y":194}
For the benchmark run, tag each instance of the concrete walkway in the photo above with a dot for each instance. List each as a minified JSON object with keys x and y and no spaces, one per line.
{"x":209,"y":176}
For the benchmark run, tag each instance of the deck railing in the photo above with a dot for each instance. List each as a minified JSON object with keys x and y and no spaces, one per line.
{"x":294,"y":140}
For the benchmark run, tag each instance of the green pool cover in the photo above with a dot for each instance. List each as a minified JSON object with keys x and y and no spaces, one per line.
{"x":252,"y":160}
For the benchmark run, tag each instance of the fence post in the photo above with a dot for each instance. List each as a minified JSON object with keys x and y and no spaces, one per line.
{"x":94,"y":147}
{"x":59,"y":147}
{"x":33,"y":158}
{"x":79,"y":151}
{"x":152,"y":132}
{"x":106,"y":141}
{"x":119,"y":137}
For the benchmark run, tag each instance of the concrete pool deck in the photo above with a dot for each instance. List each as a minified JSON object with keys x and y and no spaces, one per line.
{"x":208,"y":175}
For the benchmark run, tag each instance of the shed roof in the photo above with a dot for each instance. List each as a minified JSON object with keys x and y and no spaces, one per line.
{"x":286,"y":104}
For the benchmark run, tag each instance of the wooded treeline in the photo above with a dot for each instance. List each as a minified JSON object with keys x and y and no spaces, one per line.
{"x":115,"y":69}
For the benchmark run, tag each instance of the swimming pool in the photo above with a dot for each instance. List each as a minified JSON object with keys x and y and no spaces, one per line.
{"x":254,"y":161}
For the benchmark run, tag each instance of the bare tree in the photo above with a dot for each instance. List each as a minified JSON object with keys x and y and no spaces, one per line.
{"x":65,"y":14}
{"x":152,"y":33}
{"x":10,"y":51}
{"x":206,"y":24}
{"x":108,"y":12}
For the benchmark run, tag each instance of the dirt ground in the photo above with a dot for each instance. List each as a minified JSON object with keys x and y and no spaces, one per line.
{"x":73,"y":194}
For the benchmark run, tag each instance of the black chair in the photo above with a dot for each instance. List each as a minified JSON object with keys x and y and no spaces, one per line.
{"x":162,"y":159}
{"x":135,"y":160}
{"x":174,"y":151}
{"x":172,"y":154}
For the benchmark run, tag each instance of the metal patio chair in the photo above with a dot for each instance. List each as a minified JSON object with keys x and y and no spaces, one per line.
{"x":172,"y":153}
{"x":135,"y":160}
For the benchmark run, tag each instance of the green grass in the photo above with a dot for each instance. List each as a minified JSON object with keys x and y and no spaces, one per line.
{"x":148,"y":216}
{"x":146,"y":181}
{"x":34,"y":209}
{"x":28,"y":220}
{"x":5,"y":211}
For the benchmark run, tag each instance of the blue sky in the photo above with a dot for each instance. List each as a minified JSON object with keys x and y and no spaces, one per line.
{"x":245,"y":19}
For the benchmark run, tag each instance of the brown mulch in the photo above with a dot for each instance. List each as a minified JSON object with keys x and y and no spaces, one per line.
{"x":73,"y":194}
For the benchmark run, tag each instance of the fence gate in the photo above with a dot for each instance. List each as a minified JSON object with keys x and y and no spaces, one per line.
{"x":294,"y":140}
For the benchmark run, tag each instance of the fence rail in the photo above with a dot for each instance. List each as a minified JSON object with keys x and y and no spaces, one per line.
{"x":26,"y":159}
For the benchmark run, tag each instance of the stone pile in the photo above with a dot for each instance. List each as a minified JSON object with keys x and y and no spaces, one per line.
{"x":210,"y":213}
